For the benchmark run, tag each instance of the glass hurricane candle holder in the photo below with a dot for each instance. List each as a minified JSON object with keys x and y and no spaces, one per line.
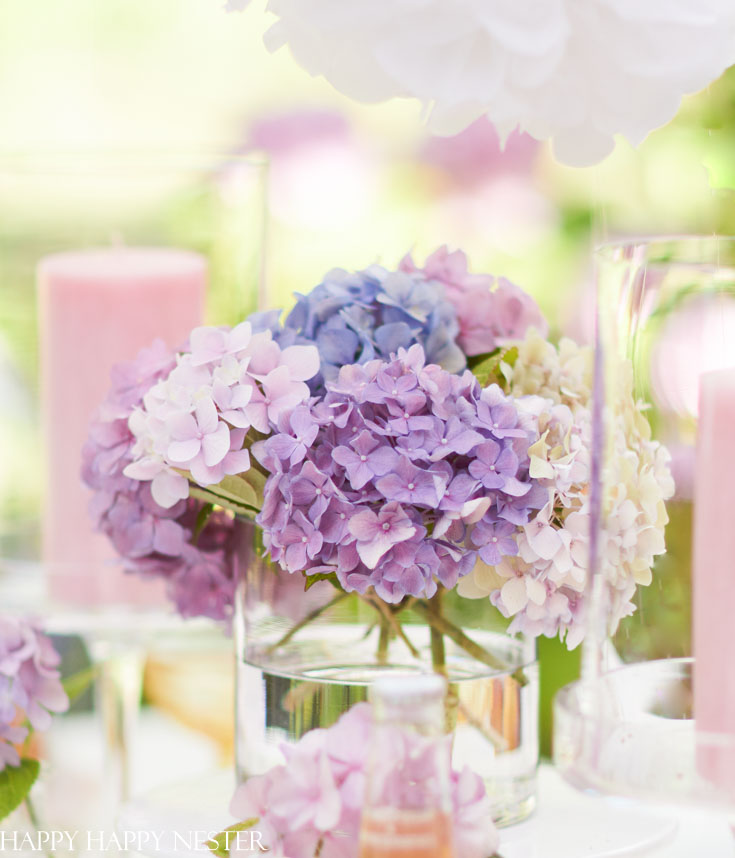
{"x":202,"y":211}
{"x":654,"y":714}
{"x":100,"y":253}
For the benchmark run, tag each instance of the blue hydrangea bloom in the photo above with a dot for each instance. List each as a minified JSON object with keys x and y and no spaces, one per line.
{"x":356,"y":317}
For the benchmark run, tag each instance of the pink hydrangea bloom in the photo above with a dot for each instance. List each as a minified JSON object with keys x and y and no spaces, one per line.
{"x":317,"y":796}
{"x":167,"y":413}
{"x":144,"y":509}
{"x":195,"y":417}
{"x":491,"y":311}
{"x":30,"y":683}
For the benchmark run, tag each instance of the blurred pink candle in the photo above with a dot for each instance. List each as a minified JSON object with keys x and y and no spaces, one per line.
{"x":96,"y":308}
{"x":713,"y":574}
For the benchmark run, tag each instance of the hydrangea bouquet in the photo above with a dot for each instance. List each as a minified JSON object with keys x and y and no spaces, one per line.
{"x":405,"y":441}
{"x":398,"y":434}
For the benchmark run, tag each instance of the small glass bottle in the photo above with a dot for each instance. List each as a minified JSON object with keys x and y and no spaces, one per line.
{"x":407,"y":809}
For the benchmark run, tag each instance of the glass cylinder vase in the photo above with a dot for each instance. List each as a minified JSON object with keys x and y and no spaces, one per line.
{"x":654,"y":715}
{"x":305,"y":656}
{"x":101,"y":253}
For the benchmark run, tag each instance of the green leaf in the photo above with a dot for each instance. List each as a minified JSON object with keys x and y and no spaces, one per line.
{"x":476,"y":360}
{"x":322,"y":576}
{"x":495,"y":367}
{"x":240,"y":494}
{"x":202,"y":519}
{"x":510,"y":356}
{"x":208,"y":496}
{"x":239,"y":489}
{"x":220,"y":845}
{"x":486,"y":371}
{"x":76,"y":684}
{"x":257,"y":480}
{"x":15,"y":784}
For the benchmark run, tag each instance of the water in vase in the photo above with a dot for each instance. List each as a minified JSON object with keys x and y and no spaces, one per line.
{"x":312,"y":684}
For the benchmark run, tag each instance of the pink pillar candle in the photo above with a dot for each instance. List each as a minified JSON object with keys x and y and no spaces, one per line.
{"x":713,"y":575}
{"x":97,"y":308}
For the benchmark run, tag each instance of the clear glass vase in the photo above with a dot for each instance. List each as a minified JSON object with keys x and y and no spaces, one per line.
{"x":209,"y":204}
{"x":305,"y":657}
{"x":56,"y":354}
{"x":654,"y":714}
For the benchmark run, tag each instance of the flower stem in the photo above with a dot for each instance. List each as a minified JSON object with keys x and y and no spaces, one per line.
{"x":496,"y":739}
{"x":405,"y":605}
{"x":394,"y":624}
{"x":33,"y":816}
{"x":439,"y":663}
{"x":309,"y":618}
{"x":441,"y":624}
{"x":383,"y":641}
{"x":438,"y":651}
{"x":368,"y":631}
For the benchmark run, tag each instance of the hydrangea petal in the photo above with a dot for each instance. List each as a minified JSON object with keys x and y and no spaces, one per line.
{"x":514,"y":595}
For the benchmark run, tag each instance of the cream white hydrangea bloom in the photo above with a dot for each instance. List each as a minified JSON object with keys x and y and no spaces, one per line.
{"x":544,"y":588}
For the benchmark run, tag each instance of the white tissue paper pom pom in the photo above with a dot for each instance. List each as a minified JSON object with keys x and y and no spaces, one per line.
{"x":575,"y":71}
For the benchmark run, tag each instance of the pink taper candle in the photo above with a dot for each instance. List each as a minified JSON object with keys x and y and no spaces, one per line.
{"x":713,"y":574}
{"x":96,"y":308}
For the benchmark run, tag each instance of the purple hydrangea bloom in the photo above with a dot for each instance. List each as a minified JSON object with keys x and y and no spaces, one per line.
{"x":496,"y":540}
{"x":153,"y":540}
{"x":356,"y":318}
{"x":495,"y":466}
{"x":406,"y":480}
{"x":30,"y":684}
{"x":364,"y":458}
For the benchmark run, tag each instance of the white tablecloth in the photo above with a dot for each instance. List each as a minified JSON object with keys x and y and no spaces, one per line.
{"x":567,"y":823}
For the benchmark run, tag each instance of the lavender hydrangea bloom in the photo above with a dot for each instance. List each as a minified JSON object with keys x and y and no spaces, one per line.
{"x":356,"y":318}
{"x":30,"y":684}
{"x":406,"y":480}
{"x":153,"y":540}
